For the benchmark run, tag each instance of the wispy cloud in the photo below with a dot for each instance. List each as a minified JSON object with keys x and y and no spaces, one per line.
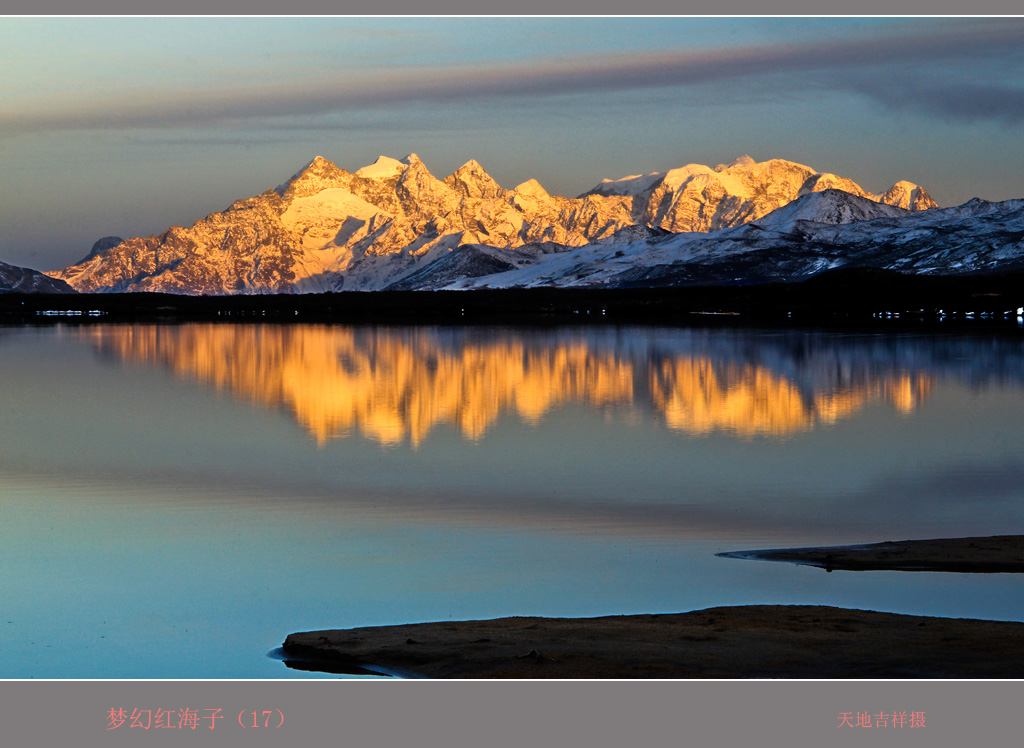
{"x":245,"y":140}
{"x":942,"y":41}
{"x":965,"y":101}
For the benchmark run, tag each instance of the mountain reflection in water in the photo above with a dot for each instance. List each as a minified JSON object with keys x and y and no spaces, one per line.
{"x":394,"y":385}
{"x":573,"y":471}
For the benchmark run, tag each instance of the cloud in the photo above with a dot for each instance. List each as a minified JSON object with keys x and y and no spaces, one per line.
{"x":964,"y":101}
{"x":246,"y":140}
{"x":347,"y":91}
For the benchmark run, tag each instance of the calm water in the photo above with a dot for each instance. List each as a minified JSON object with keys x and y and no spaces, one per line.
{"x":177,"y":499}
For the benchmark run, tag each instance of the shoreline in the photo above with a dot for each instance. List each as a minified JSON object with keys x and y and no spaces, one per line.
{"x":736,"y":642}
{"x":975,"y":555}
{"x":742,"y":642}
{"x":841,"y":298}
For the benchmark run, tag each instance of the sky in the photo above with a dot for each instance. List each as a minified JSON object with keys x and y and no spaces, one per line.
{"x":127,"y":126}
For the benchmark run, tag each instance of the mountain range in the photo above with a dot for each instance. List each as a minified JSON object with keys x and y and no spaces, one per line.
{"x":14,"y":279}
{"x":393,"y":225}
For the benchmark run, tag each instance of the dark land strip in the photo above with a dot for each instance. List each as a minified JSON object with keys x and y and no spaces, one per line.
{"x":839,"y":297}
{"x":999,"y":553}
{"x":750,"y":641}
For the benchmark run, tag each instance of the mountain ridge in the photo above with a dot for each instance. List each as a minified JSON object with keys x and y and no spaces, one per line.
{"x":15,"y":279}
{"x":328,"y":229}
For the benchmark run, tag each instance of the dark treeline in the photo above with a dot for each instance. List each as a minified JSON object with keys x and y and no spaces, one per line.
{"x":839,"y":297}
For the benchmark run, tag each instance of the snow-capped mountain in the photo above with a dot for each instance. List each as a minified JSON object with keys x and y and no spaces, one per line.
{"x":393,"y":224}
{"x":699,"y":198}
{"x":15,"y":279}
{"x":816,"y":232}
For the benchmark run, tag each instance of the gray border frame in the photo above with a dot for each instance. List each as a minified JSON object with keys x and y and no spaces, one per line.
{"x":515,"y":714}
{"x":367,"y":714}
{"x":519,"y":8}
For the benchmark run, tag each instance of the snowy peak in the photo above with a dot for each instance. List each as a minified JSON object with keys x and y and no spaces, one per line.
{"x":416,"y":177}
{"x":413,"y":165}
{"x":423,"y":198}
{"x":698,"y":198}
{"x":470,"y":169}
{"x":830,"y":206}
{"x":631,"y":186}
{"x":471,"y":180}
{"x":382,"y":168}
{"x":771,"y":183}
{"x":743,"y":160}
{"x":102,"y":245}
{"x":908,"y":195}
{"x":676,"y":178}
{"x":532,"y":188}
{"x":826,"y":181}
{"x":319,"y":174}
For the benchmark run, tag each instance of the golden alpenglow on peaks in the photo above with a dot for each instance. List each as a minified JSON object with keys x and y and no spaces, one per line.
{"x":395,"y":386}
{"x":392,"y":224}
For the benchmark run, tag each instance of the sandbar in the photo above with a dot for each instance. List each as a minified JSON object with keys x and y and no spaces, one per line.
{"x":737,"y":642}
{"x":741,"y":642}
{"x":995,"y":554}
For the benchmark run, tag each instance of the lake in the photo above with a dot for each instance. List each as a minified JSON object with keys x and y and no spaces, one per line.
{"x":176,"y":499}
